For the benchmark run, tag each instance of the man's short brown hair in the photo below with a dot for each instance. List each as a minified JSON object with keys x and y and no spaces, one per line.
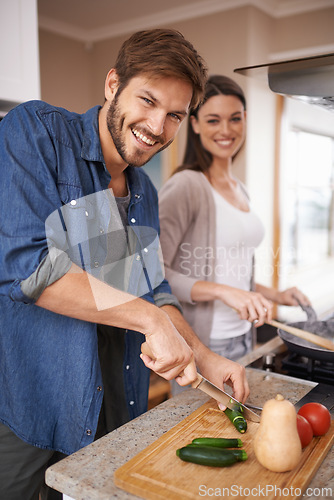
{"x":162,"y":52}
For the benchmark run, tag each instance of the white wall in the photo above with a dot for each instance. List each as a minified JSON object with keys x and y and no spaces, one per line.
{"x":19,"y":68}
{"x":260,"y":170}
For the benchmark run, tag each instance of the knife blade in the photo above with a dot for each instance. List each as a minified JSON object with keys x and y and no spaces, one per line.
{"x":212,"y":390}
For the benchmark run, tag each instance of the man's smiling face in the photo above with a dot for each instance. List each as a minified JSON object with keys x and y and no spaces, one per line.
{"x":146,"y":115}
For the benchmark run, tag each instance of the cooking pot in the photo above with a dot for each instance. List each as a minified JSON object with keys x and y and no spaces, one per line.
{"x":304,"y":348}
{"x":300,"y":346}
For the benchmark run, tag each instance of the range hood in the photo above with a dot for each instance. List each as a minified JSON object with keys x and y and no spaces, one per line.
{"x":310,"y":79}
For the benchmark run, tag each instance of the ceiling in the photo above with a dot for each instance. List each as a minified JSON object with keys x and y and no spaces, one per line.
{"x":95,"y":20}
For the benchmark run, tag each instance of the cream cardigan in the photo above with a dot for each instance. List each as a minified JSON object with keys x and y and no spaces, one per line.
{"x":188,"y":240}
{"x":187,"y":214}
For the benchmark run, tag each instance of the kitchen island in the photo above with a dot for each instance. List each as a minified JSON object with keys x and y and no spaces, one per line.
{"x":88,"y":474}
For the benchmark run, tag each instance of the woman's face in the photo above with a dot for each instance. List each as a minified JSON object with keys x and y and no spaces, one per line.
{"x":221,"y":124}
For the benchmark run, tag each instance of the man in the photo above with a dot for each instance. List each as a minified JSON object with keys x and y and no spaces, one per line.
{"x":81,"y":287}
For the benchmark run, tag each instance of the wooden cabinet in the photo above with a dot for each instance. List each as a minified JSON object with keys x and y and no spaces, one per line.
{"x":19,"y":56}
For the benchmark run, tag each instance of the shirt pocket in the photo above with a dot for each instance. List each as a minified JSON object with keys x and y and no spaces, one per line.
{"x":81,"y":226}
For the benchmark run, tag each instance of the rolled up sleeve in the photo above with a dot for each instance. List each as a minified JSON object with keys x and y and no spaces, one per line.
{"x":167,"y":299}
{"x":29,"y":194}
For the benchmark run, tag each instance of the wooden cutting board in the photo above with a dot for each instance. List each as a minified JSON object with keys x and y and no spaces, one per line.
{"x":157,"y":473}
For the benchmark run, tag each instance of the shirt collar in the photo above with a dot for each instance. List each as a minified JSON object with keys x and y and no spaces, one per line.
{"x":91,"y":146}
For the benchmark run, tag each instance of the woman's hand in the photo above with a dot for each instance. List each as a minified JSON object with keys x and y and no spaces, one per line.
{"x":291,"y":296}
{"x":251,"y":306}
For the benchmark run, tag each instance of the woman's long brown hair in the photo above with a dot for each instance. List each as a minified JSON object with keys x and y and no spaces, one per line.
{"x":196,"y":157}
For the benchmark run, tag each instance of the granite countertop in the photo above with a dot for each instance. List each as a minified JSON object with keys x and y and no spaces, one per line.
{"x":88,"y":473}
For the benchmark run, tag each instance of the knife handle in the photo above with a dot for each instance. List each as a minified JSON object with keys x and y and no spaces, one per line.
{"x":145,"y":349}
{"x":196,"y":382}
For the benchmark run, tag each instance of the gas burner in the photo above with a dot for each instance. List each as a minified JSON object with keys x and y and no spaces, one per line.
{"x":308,"y":368}
{"x":328,"y":366}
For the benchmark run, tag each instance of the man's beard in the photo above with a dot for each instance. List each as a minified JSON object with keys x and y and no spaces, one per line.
{"x":115,"y":123}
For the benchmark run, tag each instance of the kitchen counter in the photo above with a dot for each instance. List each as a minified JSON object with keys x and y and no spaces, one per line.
{"x":88,"y":473}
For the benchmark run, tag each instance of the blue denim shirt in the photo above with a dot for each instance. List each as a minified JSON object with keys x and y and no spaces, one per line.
{"x":50,"y":377}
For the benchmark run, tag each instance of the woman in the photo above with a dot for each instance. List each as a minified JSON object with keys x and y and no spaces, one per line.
{"x":209,"y":232}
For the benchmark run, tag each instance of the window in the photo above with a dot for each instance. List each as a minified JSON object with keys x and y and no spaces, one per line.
{"x":306,"y":257}
{"x":308,"y":200}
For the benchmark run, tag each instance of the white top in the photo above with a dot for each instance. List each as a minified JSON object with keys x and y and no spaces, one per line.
{"x":238,"y":233}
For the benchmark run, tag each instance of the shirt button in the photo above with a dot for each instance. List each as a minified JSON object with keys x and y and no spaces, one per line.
{"x":88,"y":432}
{"x":137,"y":196}
{"x":99,"y":388}
{"x":145,"y":250}
{"x":96,"y":264}
{"x":86,"y":213}
{"x":138,"y":257}
{"x":73,"y":202}
{"x":101,"y":231}
{"x":131,"y":403}
{"x":133,"y":220}
{"x":127,"y":367}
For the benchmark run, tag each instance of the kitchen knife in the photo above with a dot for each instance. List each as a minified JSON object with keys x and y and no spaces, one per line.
{"x":213,"y":391}
{"x":224,"y":398}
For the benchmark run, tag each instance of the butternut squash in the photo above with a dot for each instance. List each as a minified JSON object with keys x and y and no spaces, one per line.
{"x":276,"y":444}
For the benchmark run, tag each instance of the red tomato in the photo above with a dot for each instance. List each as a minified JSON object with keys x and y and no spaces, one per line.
{"x":304,"y":430}
{"x":318,"y":416}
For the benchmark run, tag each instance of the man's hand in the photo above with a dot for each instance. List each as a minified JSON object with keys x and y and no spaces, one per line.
{"x":213,"y":367}
{"x":167,"y":354}
{"x":220,"y":371}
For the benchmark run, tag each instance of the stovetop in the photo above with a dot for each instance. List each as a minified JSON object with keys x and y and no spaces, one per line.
{"x":308,"y":368}
{"x":321,"y":393}
{"x":294,"y":365}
